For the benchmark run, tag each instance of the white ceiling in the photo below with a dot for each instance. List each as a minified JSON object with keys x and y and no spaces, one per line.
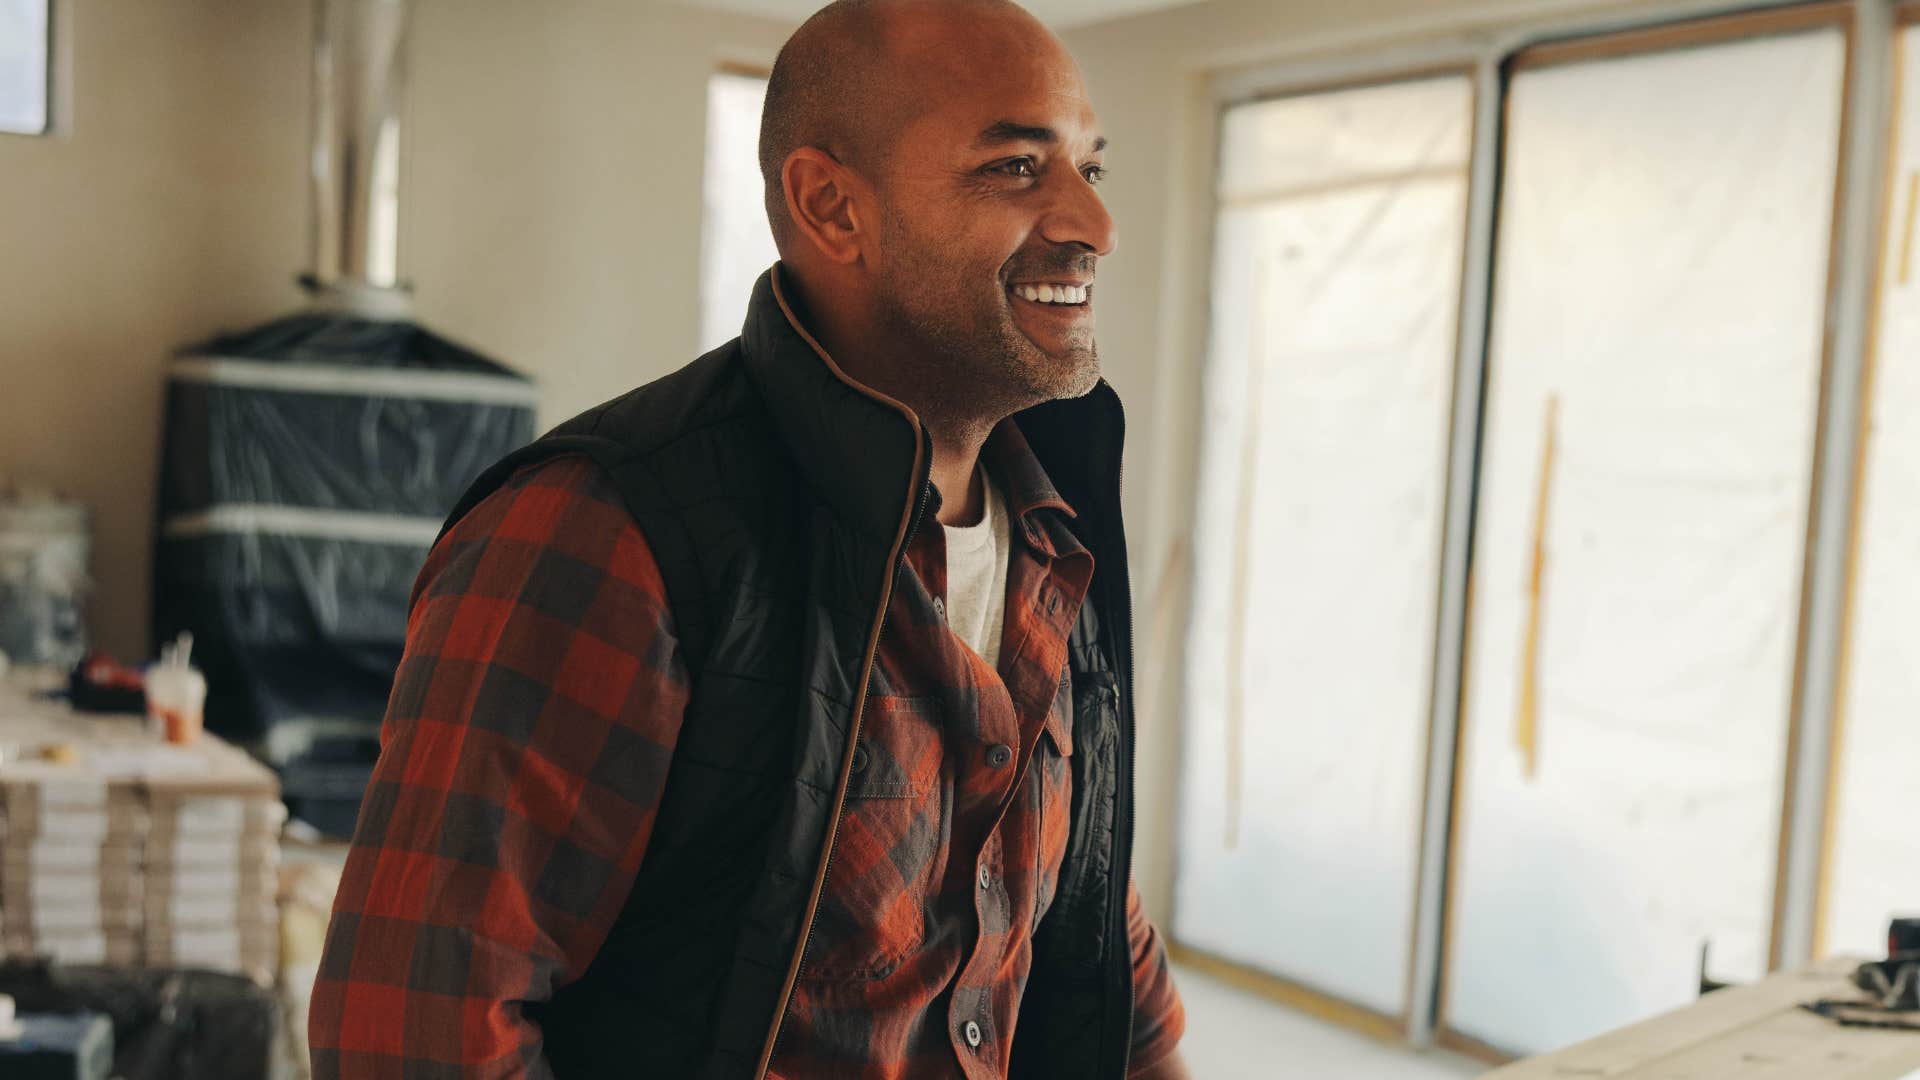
{"x":1055,"y":13}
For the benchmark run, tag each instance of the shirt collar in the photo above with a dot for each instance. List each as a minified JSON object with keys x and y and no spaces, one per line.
{"x":1022,"y":478}
{"x":1028,"y":490}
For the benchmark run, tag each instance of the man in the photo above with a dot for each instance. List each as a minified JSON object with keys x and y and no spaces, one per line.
{"x":775,"y":719}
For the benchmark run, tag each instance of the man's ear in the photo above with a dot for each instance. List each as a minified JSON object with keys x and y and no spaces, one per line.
{"x":820,"y":201}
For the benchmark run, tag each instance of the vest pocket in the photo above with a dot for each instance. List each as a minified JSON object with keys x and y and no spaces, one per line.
{"x":1074,"y":939}
{"x":891,"y":845}
{"x":1052,"y":780}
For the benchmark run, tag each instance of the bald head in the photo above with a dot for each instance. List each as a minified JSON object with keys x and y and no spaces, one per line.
{"x":930,"y":170}
{"x":850,"y":78}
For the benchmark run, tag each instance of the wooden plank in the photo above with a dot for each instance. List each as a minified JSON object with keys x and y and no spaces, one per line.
{"x":118,"y":749}
{"x":1754,"y":1032}
{"x":1792,"y":1044}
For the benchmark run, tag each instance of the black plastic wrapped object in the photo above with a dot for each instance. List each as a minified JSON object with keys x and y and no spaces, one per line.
{"x":308,"y":465}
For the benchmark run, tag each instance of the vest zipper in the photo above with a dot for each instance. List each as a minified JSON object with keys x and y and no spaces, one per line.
{"x":922,"y":469}
{"x":853,"y":738}
{"x":1117,"y":898}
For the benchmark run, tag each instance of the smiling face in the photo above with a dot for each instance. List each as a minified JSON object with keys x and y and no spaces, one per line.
{"x":990,"y":226}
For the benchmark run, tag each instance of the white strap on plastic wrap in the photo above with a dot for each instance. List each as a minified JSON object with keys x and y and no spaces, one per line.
{"x":304,"y":521}
{"x":352,"y":381}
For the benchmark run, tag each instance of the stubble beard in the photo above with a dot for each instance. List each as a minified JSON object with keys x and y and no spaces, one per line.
{"x":966,"y":357}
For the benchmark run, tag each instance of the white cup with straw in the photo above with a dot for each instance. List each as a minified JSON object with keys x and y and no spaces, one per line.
{"x":176,"y":693}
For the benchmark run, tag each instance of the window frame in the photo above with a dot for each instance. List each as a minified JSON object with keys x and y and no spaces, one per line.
{"x":1905,"y":16}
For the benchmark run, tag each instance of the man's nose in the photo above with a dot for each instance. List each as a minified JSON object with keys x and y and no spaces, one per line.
{"x":1079,"y":217}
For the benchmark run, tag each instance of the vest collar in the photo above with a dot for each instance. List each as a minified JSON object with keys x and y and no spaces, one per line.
{"x":858,"y":448}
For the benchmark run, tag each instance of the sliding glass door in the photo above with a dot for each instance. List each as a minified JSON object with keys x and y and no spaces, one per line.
{"x":1654,"y":385}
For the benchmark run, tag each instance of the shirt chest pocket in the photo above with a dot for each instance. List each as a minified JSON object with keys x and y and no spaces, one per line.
{"x":892,"y":844}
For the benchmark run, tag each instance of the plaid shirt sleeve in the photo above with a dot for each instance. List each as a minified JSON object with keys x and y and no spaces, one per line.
{"x":525,"y":747}
{"x":1159,"y":1018}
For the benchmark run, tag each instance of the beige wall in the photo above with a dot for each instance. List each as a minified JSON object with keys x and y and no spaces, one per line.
{"x":554,"y":190}
{"x":552,"y":217}
{"x":167,"y":204}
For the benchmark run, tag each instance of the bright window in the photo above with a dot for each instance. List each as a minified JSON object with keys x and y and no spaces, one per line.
{"x":736,"y":242}
{"x":23,"y":66}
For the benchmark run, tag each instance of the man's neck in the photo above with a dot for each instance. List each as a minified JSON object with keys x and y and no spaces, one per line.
{"x":956,"y":439}
{"x":955,"y":473}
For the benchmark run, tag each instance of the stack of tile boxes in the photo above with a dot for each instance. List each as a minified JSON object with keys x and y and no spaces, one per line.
{"x":135,"y":853}
{"x":212,"y":869}
{"x":70,"y":880}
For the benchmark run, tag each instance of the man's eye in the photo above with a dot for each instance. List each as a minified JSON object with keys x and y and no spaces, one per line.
{"x":1022,"y":167}
{"x":1094,"y":173}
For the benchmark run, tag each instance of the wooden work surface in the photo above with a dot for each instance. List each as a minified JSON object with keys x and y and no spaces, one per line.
{"x":118,"y":749}
{"x":1753,"y":1032}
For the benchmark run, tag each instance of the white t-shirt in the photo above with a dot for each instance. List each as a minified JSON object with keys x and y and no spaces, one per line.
{"x":977,"y":576}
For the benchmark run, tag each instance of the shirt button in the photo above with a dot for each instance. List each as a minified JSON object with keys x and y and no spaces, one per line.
{"x":860,"y":757}
{"x":999,"y":754}
{"x":1053,"y":603}
{"x":986,"y":878}
{"x":973,"y":1034}
{"x":939,"y":607}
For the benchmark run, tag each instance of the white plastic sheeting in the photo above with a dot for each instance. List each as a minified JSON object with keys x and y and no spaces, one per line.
{"x":1875,"y":859}
{"x":1661,"y":273}
{"x":1336,"y":288}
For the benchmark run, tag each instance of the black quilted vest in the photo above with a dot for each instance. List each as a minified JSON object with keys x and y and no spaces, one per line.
{"x":777,"y":498}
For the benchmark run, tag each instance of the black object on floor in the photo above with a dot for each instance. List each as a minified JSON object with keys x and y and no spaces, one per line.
{"x":1903,"y":935}
{"x":1707,"y":985}
{"x":166,"y":1024}
{"x":77,"y":1047}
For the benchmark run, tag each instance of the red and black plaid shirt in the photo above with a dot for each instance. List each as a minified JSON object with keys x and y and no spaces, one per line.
{"x":526,"y":744}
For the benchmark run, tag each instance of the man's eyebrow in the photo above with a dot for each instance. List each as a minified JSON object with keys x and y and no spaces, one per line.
{"x":1008,"y":131}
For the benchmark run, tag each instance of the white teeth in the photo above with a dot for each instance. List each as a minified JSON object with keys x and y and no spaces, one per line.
{"x":1052,"y":294}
